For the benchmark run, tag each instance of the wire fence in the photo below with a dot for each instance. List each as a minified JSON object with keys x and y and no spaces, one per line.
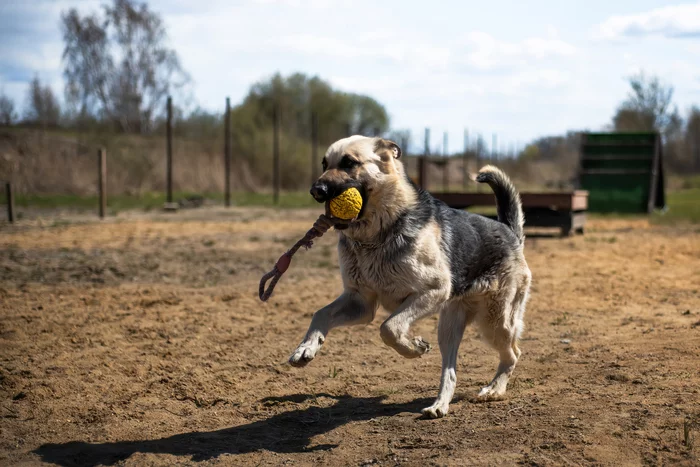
{"x":180,"y":165}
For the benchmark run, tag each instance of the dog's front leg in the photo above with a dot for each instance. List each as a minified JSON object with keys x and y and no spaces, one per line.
{"x":394,"y":330}
{"x":352,"y":307}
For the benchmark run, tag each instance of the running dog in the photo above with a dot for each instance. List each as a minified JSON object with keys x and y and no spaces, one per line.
{"x":415,"y":256}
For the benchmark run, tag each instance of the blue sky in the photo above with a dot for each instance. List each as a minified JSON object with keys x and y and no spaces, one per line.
{"x":517,"y":69}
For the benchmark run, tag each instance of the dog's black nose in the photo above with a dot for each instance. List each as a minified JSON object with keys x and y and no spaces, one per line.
{"x":319,"y":191}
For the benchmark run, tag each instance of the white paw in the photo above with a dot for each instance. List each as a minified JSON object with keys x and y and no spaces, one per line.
{"x":435,"y":411}
{"x":304,"y":353}
{"x":421,"y":346}
{"x":490,"y":393}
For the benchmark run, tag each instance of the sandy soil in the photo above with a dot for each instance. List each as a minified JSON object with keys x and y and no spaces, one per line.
{"x":141,"y":341}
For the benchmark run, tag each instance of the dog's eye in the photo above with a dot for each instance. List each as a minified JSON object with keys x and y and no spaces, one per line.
{"x":347,"y":163}
{"x":324,"y":164}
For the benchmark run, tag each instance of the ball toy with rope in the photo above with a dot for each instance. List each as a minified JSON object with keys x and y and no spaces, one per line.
{"x":343,"y":209}
{"x":347,"y":205}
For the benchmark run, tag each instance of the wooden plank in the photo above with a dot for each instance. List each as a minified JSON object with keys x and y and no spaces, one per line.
{"x":579,"y":201}
{"x":614,"y":171}
{"x":569,"y":222}
{"x":575,"y":201}
{"x":616,"y":157}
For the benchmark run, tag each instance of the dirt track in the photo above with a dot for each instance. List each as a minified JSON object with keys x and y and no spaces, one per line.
{"x":141,"y":341}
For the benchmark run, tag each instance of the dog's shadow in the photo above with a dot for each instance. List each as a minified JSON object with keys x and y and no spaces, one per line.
{"x":286,"y":432}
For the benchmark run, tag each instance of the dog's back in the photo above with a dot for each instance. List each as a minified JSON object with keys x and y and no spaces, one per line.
{"x":478,"y":247}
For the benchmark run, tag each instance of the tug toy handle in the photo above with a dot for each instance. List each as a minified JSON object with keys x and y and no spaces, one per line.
{"x":321,"y":226}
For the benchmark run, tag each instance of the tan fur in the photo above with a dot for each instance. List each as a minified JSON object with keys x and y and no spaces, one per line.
{"x":382,"y":173}
{"x":414,"y":285}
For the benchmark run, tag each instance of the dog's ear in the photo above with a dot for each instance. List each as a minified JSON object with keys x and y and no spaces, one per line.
{"x":382,"y":144}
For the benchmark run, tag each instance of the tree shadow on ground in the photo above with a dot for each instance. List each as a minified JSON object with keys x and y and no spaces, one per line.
{"x":287,"y":432}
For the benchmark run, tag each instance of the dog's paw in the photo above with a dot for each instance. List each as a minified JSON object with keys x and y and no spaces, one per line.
{"x":421,"y":346}
{"x":304,"y":353}
{"x":435,"y":411}
{"x":489,"y":393}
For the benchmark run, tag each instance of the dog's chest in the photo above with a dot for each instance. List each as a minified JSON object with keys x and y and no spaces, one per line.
{"x":392,"y":273}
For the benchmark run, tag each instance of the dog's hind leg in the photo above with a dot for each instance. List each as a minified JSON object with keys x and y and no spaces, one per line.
{"x":350,"y":308}
{"x":501,"y":325}
{"x":453,"y":320}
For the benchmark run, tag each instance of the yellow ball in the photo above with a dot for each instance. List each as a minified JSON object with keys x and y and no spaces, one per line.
{"x":346,"y":205}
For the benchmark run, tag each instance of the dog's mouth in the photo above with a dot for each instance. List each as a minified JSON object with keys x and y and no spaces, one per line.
{"x":344,"y":224}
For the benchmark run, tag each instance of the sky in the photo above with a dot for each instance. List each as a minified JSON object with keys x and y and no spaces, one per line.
{"x":519,"y":70}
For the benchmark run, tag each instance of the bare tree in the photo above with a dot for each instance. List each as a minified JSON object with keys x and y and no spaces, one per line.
{"x":648,"y":107}
{"x":42,"y":105}
{"x":7,"y":110}
{"x":117,"y":66}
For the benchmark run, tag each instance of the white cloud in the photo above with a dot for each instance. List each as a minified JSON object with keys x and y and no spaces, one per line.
{"x":671,"y":21}
{"x":485,"y":52}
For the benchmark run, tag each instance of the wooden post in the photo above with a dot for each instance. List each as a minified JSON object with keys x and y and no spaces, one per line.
{"x":479,"y":145}
{"x":276,"y":153}
{"x":102,"y":180}
{"x":445,"y":168}
{"x":465,"y":168}
{"x":314,"y":146}
{"x":654,"y":175}
{"x":426,"y":148}
{"x":10,"y":202}
{"x":227,"y":154}
{"x":423,"y":162}
{"x":494,"y":148}
{"x":422,"y":172}
{"x":404,"y":151}
{"x":169,"y":155}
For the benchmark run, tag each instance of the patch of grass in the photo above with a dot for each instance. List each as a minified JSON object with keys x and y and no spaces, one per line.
{"x":691,"y":183}
{"x":683,"y":205}
{"x":334,"y":371}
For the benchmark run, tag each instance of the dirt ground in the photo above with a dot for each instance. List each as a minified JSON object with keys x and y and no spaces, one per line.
{"x":141,"y":341}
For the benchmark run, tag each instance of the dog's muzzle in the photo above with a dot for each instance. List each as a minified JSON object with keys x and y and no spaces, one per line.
{"x":320,"y":192}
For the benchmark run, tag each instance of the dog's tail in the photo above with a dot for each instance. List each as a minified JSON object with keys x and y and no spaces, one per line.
{"x":510,"y":211}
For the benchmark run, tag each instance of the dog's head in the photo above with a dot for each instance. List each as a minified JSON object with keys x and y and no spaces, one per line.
{"x":369,"y":164}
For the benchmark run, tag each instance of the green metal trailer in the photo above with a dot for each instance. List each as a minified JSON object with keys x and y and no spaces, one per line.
{"x":622,"y":172}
